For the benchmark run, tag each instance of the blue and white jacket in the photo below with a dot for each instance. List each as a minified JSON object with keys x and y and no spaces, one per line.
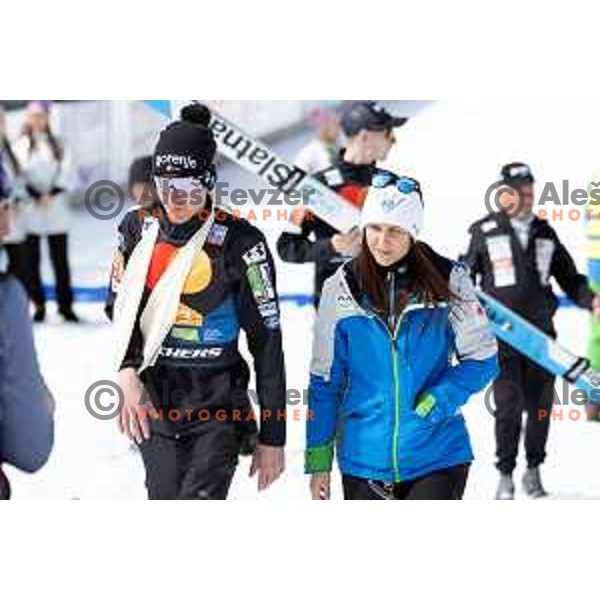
{"x":366,"y":382}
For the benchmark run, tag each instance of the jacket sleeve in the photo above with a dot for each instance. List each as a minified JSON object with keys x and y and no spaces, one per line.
{"x":474,"y":344}
{"x":574,"y":284}
{"x":327,"y":384}
{"x":297,"y":247}
{"x":129,"y":232}
{"x":65,"y":175}
{"x":259,"y":316}
{"x":472,"y":258}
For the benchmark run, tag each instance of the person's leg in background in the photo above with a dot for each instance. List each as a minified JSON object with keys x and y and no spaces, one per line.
{"x":18,"y":263}
{"x":539,"y":398}
{"x":5,"y":490}
{"x":58,"y":244}
{"x":510,"y":402}
{"x":36,"y":290}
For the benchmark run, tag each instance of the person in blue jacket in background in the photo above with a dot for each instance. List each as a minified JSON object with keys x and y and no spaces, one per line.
{"x":401,"y":343}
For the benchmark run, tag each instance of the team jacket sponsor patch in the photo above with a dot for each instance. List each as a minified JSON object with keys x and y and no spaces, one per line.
{"x":259,"y":278}
{"x":191,"y":353}
{"x":501,"y":257}
{"x":217,"y":234}
{"x":256,"y":254}
{"x":544,"y":252}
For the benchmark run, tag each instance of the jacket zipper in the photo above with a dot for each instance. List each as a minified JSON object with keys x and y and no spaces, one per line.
{"x":393,"y":329}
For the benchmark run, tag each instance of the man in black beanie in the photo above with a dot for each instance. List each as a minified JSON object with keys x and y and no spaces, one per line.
{"x":186,"y":391}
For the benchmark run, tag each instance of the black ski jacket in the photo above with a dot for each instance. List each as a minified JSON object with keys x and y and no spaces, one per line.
{"x":200,"y":366}
{"x":313,"y":242}
{"x":520,"y":278}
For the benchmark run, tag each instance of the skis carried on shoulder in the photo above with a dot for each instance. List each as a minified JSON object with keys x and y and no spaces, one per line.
{"x":521,"y":335}
{"x":256,"y":157}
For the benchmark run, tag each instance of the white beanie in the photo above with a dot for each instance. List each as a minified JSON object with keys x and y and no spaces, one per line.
{"x":391,"y":206}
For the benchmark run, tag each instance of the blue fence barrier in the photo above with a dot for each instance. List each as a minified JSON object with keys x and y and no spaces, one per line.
{"x":98,"y":294}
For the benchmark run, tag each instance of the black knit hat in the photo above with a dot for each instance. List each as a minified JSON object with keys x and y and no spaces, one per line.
{"x":186,"y":148}
{"x":140,"y":171}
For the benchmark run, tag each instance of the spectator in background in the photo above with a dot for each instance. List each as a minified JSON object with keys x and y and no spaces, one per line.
{"x":140,"y":184}
{"x":15,"y":241}
{"x":46,"y":173}
{"x":323,"y":151}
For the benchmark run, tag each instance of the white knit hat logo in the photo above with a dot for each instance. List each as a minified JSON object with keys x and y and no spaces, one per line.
{"x":389,"y":206}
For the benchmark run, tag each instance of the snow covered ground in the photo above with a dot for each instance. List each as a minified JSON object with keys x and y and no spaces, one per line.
{"x":91,"y":460}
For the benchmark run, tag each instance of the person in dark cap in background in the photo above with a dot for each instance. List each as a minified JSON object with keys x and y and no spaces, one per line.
{"x":369,"y":128}
{"x":197,"y":277}
{"x":15,"y":243}
{"x":513,"y":254}
{"x":141,"y":184}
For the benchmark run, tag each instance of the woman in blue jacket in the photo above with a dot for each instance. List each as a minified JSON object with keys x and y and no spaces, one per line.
{"x":401,"y":343}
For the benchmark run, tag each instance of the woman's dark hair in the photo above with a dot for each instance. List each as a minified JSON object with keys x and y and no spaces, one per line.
{"x":424,"y":279}
{"x":6,"y":148}
{"x":55,"y":146}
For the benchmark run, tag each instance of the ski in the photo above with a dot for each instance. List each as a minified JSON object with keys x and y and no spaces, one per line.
{"x":257,"y":158}
{"x":539,"y":347}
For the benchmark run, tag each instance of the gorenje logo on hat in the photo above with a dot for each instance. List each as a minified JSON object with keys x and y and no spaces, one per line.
{"x":171,"y":161}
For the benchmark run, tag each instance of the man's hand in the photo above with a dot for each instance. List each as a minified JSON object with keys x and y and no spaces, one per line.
{"x":596,"y":306}
{"x":320,"y":486}
{"x":269,"y":463}
{"x":133,"y":420}
{"x":347,"y":243}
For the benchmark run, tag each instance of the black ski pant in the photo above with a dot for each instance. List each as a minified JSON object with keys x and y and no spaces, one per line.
{"x":57,"y":244}
{"x":197,"y":465}
{"x":447,"y":484}
{"x":18,"y":263}
{"x":522,"y":386}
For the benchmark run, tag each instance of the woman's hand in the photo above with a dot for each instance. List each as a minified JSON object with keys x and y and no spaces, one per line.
{"x":46,"y":201}
{"x":347,"y":243}
{"x":320,"y":486}
{"x":133,"y":420}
